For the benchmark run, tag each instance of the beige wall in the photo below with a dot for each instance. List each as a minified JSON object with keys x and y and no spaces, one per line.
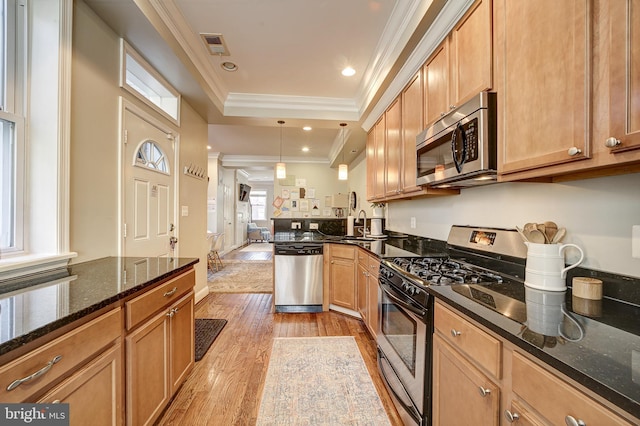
{"x":95,"y":169}
{"x":319,"y":177}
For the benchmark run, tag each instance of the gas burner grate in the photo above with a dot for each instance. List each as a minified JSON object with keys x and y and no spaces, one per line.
{"x":445,"y":271}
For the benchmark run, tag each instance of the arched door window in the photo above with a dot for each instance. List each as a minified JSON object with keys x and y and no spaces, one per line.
{"x":150,"y":156}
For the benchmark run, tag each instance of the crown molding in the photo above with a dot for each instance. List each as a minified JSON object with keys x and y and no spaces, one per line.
{"x":173,"y":19}
{"x":302,"y":107}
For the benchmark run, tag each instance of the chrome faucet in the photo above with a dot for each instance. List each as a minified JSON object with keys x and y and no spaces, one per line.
{"x":364,"y":225}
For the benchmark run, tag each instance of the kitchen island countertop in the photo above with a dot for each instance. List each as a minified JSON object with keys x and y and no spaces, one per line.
{"x":33,"y":306}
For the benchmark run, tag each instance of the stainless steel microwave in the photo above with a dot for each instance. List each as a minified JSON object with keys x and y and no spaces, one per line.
{"x":460,"y":149}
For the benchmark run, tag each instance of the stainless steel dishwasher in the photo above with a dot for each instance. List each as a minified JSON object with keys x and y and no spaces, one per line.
{"x":298,"y":277}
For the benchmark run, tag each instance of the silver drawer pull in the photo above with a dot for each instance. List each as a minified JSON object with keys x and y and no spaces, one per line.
{"x":511,"y":417}
{"x":571,"y":421}
{"x":484,"y":391}
{"x":454,"y":332}
{"x":171,"y":292}
{"x":35,"y":375}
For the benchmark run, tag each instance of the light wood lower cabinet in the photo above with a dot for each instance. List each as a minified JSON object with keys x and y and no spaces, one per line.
{"x":462,"y":395}
{"x":95,"y":393}
{"x":159,"y":355}
{"x":469,"y":390}
{"x":342,"y":276}
{"x":368,"y":266}
{"x":63,"y":363}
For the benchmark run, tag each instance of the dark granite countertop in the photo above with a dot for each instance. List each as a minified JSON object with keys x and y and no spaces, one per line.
{"x":33,"y":306}
{"x":605,"y":353}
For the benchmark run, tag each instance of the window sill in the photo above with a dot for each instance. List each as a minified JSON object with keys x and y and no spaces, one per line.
{"x":31,"y":264}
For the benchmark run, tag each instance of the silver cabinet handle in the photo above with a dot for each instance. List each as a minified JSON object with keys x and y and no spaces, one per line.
{"x":612,"y":142}
{"x":452,"y":107}
{"x":574,"y":151}
{"x":172,"y":312}
{"x":442,"y":114}
{"x":484,"y":392}
{"x":571,"y":421}
{"x":454,"y":332}
{"x":171,"y":292}
{"x":35,"y":375}
{"x":511,"y":417}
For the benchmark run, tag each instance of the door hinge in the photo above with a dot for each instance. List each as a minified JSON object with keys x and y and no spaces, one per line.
{"x":126,"y":136}
{"x":124,"y":231}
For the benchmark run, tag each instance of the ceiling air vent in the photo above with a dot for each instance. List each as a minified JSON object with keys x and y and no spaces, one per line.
{"x":215,"y":43}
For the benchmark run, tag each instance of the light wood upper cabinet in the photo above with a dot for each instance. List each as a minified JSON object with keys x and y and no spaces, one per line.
{"x":624,"y":71}
{"x":371,"y":164}
{"x":380,"y":131}
{"x":393,"y":148}
{"x":436,"y":84}
{"x":471,"y":53}
{"x":412,"y":125}
{"x":544,"y":82}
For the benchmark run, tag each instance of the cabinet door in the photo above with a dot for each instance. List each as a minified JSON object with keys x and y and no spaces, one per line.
{"x":471,"y":53}
{"x":371,"y":164}
{"x":182,"y":341}
{"x":544,"y":107}
{"x":380,"y":131}
{"x":624,"y":68}
{"x":343,"y":286}
{"x":363,"y":308}
{"x":393,"y":148}
{"x":372,"y":304}
{"x":412,"y":125}
{"x":456,"y":380}
{"x":436,"y":84}
{"x":102,"y":379}
{"x":147,"y":370}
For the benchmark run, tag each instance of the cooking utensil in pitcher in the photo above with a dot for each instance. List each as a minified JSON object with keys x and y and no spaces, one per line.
{"x":559,"y":235}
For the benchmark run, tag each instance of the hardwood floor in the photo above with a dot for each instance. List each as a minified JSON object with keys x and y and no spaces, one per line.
{"x":225,"y":387}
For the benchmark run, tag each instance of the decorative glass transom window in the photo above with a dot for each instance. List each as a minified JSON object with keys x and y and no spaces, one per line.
{"x":150,"y":156}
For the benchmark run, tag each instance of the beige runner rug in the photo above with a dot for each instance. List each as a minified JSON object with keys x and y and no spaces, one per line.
{"x":240,"y":276}
{"x":319,"y":381}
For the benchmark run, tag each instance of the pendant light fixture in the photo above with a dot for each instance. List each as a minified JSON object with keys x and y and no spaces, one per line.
{"x":343,"y":169}
{"x":281,"y":169}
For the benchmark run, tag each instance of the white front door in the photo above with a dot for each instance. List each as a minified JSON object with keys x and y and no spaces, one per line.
{"x":149,"y":182}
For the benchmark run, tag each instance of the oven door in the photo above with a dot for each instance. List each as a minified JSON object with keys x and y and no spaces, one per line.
{"x":403,"y":341}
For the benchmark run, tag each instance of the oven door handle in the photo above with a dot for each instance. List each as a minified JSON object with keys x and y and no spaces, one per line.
{"x":422,"y":314}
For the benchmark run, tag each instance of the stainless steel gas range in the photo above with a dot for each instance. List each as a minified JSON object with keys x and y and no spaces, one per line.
{"x":406,"y":307}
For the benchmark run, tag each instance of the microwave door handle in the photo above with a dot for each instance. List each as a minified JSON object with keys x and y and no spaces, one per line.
{"x":459,"y":160}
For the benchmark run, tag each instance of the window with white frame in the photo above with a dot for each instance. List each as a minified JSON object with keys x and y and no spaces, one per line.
{"x":12,"y":100}
{"x":258,"y":205}
{"x":143,"y":81}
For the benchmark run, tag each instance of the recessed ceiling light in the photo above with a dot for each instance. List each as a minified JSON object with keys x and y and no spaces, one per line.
{"x":208,"y":146}
{"x":306,"y":128}
{"x":348,"y":72}
{"x":305,"y":149}
{"x":229,"y":66}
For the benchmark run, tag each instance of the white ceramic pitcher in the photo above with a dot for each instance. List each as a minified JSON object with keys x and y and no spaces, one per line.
{"x":545,"y":269}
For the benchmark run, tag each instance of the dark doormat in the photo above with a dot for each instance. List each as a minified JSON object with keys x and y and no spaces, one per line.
{"x":206,"y":332}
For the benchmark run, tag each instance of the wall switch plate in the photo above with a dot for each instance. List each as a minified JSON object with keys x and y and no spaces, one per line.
{"x":635,"y":241}
{"x":413,"y":222}
{"x":313,"y":226}
{"x":185,"y":210}
{"x":295,"y":225}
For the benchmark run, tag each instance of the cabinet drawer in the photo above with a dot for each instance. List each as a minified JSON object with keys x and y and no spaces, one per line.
{"x":471,"y":340}
{"x":144,"y":306}
{"x":70,"y":350}
{"x":556,"y":399}
{"x":344,"y":251}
